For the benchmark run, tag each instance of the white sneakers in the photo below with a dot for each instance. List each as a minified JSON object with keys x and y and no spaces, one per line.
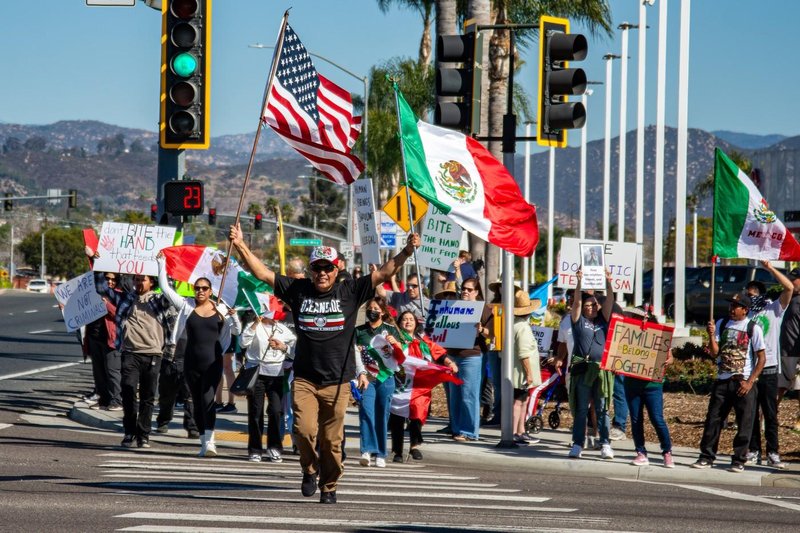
{"x":365,"y":459}
{"x":380,"y":462}
{"x":606,"y":452}
{"x":575,"y":452}
{"x":207,"y":446}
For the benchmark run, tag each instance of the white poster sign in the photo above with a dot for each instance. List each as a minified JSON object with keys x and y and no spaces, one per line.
{"x":80,"y":302}
{"x":544,"y":339}
{"x":367,"y":224}
{"x":441,"y":238}
{"x":593,"y":266}
{"x":619,"y":259}
{"x":451,"y":323}
{"x":131,"y":248}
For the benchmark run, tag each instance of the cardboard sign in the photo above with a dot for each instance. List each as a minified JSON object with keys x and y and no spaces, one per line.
{"x":451,"y":323}
{"x":132,"y":248}
{"x":367,"y":224}
{"x":544,"y":338}
{"x":637,"y":349}
{"x":441,"y":240}
{"x":619,"y":259}
{"x":80,"y":301}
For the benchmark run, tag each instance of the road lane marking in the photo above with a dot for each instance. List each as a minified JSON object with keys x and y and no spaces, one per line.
{"x":4,"y":426}
{"x":37,"y":371}
{"x":31,"y":311}
{"x":40,"y":331}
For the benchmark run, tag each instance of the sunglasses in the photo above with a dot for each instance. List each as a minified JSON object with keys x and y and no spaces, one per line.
{"x":468,"y":289}
{"x":322,"y":268}
{"x":203,"y":288}
{"x":412,"y":286}
{"x":111,"y":278}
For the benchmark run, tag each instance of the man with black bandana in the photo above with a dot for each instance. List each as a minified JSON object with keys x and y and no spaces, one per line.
{"x":769,"y":315}
{"x":324,"y":314}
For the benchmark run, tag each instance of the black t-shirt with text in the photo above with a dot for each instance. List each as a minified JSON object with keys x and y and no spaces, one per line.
{"x":325,"y":326}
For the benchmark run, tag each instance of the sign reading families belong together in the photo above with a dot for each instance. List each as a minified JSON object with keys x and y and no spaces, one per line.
{"x":638,"y":349}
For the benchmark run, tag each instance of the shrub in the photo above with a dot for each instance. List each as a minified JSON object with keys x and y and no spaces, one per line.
{"x":690,"y":375}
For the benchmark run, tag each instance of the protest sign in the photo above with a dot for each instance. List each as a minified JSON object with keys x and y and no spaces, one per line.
{"x":80,"y":301}
{"x":451,"y":323}
{"x":366,"y":222}
{"x":544,"y":339}
{"x":441,"y":238}
{"x":637,"y":349}
{"x":619,"y":259}
{"x":132,"y":248}
{"x":592,"y":267}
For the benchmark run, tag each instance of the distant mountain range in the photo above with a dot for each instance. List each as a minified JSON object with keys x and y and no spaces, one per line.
{"x":747,"y":140}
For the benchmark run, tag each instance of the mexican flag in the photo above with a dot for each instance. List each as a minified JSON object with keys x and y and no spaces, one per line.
{"x":257,"y":295}
{"x":189,"y":262}
{"x":744,"y":226}
{"x":465,"y":181}
{"x":413,"y":397}
{"x":382,"y":359}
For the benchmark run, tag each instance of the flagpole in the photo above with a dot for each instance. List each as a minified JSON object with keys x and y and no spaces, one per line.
{"x":408,"y":193}
{"x":268,"y":88}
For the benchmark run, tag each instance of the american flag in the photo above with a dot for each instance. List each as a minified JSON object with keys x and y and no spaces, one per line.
{"x":312,"y":114}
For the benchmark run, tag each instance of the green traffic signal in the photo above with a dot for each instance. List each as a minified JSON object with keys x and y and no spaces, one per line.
{"x":184,"y":64}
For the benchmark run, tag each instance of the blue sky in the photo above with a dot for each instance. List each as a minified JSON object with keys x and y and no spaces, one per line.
{"x":82,"y":62}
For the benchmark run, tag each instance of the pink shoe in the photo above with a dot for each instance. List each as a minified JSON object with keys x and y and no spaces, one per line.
{"x":668,"y":462}
{"x":640,"y":460}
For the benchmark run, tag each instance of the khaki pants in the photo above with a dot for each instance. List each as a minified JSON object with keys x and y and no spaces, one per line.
{"x":319,"y":414}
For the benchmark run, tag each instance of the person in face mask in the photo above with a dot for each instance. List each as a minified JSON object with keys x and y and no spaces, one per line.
{"x":377,"y":348}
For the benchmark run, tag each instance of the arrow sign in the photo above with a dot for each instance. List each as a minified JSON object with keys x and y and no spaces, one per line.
{"x":397,"y":208}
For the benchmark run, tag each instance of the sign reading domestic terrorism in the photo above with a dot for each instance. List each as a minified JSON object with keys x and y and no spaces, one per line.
{"x":619,"y":259}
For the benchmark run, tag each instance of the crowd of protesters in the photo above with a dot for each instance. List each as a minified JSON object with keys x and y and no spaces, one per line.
{"x":315,"y":357}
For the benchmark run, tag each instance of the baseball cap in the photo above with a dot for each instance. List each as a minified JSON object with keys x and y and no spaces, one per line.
{"x":742,"y":299}
{"x":794,"y":274}
{"x":324,"y":253}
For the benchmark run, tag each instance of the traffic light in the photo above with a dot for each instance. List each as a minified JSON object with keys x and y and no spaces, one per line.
{"x":185,"y":74}
{"x":556,"y":81}
{"x":8,"y":205}
{"x":212,"y":216}
{"x":73,"y":198}
{"x":462,"y":82}
{"x":183,"y":197}
{"x":153,"y":212}
{"x":257,"y":221}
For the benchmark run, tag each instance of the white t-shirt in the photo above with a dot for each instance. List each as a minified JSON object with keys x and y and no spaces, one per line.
{"x":565,"y":335}
{"x":756,"y":343}
{"x":770,"y":319}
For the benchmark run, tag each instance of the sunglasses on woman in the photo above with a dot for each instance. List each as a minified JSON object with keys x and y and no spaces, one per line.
{"x":202,"y":288}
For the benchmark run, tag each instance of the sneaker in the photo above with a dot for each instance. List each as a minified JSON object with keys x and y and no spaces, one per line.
{"x":365,"y":459}
{"x":127,"y":442}
{"x":669,"y":462}
{"x":530,"y":438}
{"x":575,"y":452}
{"x":162,"y":428}
{"x":640,"y":460}
{"x":254,"y":458}
{"x":192,"y":434}
{"x":274,"y":455}
{"x":143,"y":442}
{"x":518,"y":439}
{"x":606,"y":452}
{"x":218,"y":407}
{"x":327,"y":497}
{"x":98,"y":407}
{"x":309,"y":485}
{"x":702,"y":463}
{"x":397,"y":458}
{"x":446,"y":429}
{"x":380,"y":462}
{"x":211,"y":449}
{"x":616,"y":434}
{"x":416,"y":454}
{"x":228,"y":408}
{"x":92,"y":397}
{"x":115,"y":407}
{"x":774,"y":460}
{"x":91,"y":403}
{"x":752,"y":458}
{"x":590,"y":442}
{"x":736,"y":468}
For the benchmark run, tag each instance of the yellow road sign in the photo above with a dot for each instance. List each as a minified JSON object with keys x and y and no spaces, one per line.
{"x":397,"y":208}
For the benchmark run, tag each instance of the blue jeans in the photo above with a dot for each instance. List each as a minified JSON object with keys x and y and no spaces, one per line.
{"x":620,"y":405}
{"x":373,"y":416}
{"x":465,"y":399}
{"x":639,"y":396}
{"x":495,"y":370}
{"x":583,"y":394}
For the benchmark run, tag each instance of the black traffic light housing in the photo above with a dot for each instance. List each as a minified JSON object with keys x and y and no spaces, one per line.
{"x":73,"y":198}
{"x":185,"y":74}
{"x":212,"y":216}
{"x":184,"y":197}
{"x":8,"y":205}
{"x":462,"y":82}
{"x":556,"y":81}
{"x":153,"y":212}
{"x":257,"y":221}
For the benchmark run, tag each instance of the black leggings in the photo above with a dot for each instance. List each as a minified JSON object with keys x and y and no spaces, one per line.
{"x":271,"y":388}
{"x":397,"y":427}
{"x":203,"y":386}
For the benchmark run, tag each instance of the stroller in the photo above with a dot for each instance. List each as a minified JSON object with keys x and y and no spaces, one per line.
{"x":553,"y":385}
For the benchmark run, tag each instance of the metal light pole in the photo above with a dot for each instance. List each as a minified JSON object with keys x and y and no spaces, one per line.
{"x":582,"y":210}
{"x":526,"y":261}
{"x":637,"y":285}
{"x":607,"y":148}
{"x":680,"y":181}
{"x":623,"y":119}
{"x":658,"y":211}
{"x":364,"y":121}
{"x":551,"y":218}
{"x":694,"y":237}
{"x":41,"y":265}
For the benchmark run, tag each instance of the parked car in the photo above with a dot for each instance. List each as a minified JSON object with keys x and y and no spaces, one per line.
{"x":38,"y":285}
{"x":667,"y":286}
{"x":728,"y":280}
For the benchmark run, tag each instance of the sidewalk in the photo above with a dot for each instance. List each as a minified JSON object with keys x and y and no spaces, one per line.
{"x":548,"y":456}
